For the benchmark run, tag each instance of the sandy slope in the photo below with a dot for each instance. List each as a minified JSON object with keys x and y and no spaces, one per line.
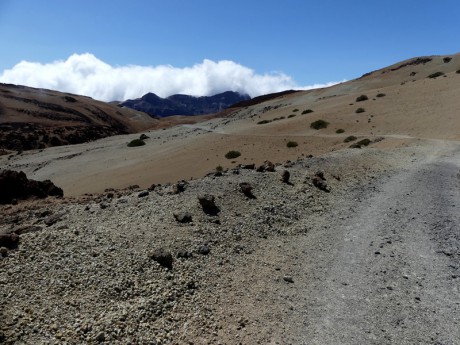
{"x":413,"y":106}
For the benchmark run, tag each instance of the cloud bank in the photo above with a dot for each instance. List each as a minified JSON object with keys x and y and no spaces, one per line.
{"x":85,"y":74}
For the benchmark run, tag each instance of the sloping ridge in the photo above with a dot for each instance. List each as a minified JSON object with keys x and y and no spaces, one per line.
{"x":33,"y":118}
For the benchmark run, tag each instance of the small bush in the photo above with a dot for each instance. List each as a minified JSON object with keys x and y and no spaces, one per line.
{"x":435,"y":75}
{"x":340,"y":131}
{"x":292,"y":144}
{"x":361,"y":143}
{"x":263,"y":122}
{"x":295,"y":110}
{"x":360,"y":110}
{"x":458,"y":71}
{"x":349,"y":138}
{"x":361,"y":98}
{"x":381,"y":95}
{"x":219,"y":168}
{"x":319,"y":124}
{"x":447,"y":59}
{"x":307,"y":111}
{"x":232,"y":154}
{"x":291,"y":116}
{"x":143,"y":137}
{"x":136,"y":142}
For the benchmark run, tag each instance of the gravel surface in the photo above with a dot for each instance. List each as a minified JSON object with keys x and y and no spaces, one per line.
{"x":371,"y":259}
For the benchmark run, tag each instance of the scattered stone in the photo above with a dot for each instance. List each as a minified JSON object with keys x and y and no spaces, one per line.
{"x":246,"y":189}
{"x":248,"y":166}
{"x":288,"y":279}
{"x":9,"y":241}
{"x":109,"y":195}
{"x":285,"y":175}
{"x":3,"y":251}
{"x":163,"y":257}
{"x":103,"y":205}
{"x":143,"y":194}
{"x":26,"y":229}
{"x":267,"y":166}
{"x":100,"y":337}
{"x":183,"y":217}
{"x":178,"y":187}
{"x":53,"y":219}
{"x":152,"y":187}
{"x":204,"y":250}
{"x":184,"y":254}
{"x":320,"y":182}
{"x":207,"y":202}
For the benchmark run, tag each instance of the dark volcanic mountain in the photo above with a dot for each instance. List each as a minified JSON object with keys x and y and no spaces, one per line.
{"x":184,"y":104}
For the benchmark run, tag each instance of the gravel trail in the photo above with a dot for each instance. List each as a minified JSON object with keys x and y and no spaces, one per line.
{"x":390,"y":275}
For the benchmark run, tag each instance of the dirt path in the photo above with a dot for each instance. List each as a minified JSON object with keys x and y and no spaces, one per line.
{"x":387,"y":270}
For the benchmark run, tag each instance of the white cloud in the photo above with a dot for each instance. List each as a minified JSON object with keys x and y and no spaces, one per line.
{"x":85,"y":74}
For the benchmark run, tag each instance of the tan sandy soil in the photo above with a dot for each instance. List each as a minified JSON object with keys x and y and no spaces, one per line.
{"x":413,"y":107}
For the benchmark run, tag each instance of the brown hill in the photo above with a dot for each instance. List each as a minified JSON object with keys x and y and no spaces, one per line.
{"x":404,"y":105}
{"x":33,"y":118}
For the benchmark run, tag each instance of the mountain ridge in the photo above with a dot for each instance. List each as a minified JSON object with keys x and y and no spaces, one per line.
{"x":181,"y":104}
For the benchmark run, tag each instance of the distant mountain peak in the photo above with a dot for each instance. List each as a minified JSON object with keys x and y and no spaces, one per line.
{"x":180,"y":104}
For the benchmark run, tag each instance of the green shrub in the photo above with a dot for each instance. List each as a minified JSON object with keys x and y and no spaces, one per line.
{"x":264,"y":122}
{"x":458,"y":71}
{"x":136,"y":142}
{"x":307,"y":111}
{"x":291,"y":116}
{"x":295,"y":110}
{"x":381,"y":95}
{"x":361,"y":143}
{"x":318,"y":124}
{"x":361,"y":98}
{"x":340,"y":131}
{"x":232,"y":154}
{"x":435,"y":75}
{"x":360,"y":110}
{"x":219,"y":168}
{"x":349,"y":138}
{"x":447,"y":59}
{"x":292,"y":144}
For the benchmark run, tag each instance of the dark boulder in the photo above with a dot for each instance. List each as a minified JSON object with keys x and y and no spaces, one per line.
{"x":9,"y":240}
{"x":16,"y":185}
{"x":163,"y":257}
{"x":207,"y":202}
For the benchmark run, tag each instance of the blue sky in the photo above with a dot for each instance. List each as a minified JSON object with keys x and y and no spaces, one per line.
{"x":308,"y":41}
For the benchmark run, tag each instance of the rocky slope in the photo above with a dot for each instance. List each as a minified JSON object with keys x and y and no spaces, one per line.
{"x":184,"y":104}
{"x":242,"y":256}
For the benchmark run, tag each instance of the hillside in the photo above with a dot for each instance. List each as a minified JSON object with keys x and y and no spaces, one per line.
{"x":403,"y":105}
{"x":184,"y":104}
{"x":33,"y":118}
{"x":332,"y":242}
